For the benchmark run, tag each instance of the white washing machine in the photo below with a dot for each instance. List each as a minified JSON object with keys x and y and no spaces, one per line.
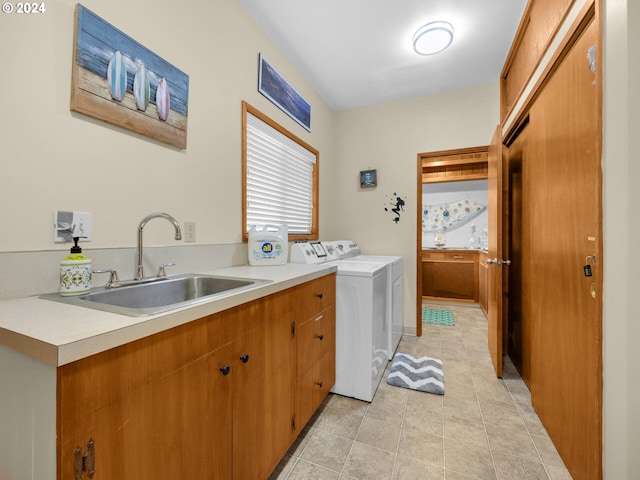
{"x":395,"y":297}
{"x":361,"y":320}
{"x":349,"y":250}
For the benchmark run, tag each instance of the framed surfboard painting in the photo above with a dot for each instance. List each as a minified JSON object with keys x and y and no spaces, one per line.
{"x":119,"y":81}
{"x":284,"y":96}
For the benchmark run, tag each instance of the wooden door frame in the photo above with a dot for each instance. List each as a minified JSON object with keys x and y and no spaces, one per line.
{"x":443,"y":166}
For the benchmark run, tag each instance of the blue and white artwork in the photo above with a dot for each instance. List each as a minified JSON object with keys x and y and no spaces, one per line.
{"x":277,"y":89}
{"x":117,"y":80}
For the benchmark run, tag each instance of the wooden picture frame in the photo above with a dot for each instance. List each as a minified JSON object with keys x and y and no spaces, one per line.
{"x":273,"y":86}
{"x":119,"y":81}
{"x":368,"y":178}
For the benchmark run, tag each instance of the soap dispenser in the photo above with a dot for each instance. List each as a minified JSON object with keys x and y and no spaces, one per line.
{"x":75,"y":272}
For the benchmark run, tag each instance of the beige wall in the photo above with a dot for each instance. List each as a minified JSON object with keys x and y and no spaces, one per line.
{"x":621,"y":174}
{"x":53,"y":159}
{"x":388,"y":137}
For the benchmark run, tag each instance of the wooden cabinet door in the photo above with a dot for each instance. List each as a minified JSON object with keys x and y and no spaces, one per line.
{"x":132,"y":398}
{"x":219,"y":413}
{"x":280,"y":370}
{"x":178,"y":426}
{"x":249,"y":381}
{"x":455,"y":280}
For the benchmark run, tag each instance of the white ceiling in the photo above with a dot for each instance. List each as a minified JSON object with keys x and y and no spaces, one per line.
{"x":358,"y":52}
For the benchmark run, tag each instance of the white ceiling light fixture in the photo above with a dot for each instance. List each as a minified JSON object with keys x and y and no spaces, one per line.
{"x":432,"y":38}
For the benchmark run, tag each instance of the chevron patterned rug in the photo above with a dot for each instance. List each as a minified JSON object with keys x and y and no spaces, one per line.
{"x":438,"y":316}
{"x":417,"y":373}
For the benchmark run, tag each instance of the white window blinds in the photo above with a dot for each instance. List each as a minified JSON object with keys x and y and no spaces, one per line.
{"x":279,"y":179}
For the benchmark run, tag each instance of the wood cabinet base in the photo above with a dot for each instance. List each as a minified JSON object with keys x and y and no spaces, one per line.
{"x":452,"y":275}
{"x":221,"y":397}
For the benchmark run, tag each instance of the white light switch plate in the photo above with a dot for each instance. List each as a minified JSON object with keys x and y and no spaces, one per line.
{"x":189,"y":231}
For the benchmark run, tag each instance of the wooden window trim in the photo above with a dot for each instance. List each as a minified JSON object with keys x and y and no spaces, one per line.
{"x":247,"y":108}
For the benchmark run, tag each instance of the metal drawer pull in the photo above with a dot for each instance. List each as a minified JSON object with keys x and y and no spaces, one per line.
{"x":244,"y":358}
{"x":319,"y":384}
{"x":319,"y":295}
{"x":225,"y":369}
{"x":320,"y":337}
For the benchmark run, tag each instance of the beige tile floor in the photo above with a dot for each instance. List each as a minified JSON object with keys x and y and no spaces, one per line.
{"x":482,"y":428}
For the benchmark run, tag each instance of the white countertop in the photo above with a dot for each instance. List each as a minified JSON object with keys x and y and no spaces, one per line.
{"x":59,"y":333}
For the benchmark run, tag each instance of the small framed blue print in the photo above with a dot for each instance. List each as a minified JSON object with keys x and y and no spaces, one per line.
{"x":284,"y":96}
{"x":368,"y":178}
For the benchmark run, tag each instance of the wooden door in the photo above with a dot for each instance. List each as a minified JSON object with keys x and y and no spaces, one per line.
{"x":494,"y":277}
{"x":516,"y":249}
{"x":565,"y":215}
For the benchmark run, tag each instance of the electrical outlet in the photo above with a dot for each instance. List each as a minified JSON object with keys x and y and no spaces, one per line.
{"x":189,"y":231}
{"x":67,"y":225}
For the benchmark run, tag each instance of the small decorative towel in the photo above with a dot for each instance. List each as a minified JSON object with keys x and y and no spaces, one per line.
{"x":417,"y":373}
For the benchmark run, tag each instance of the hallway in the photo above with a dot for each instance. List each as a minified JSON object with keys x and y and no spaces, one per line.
{"x":482,"y":428}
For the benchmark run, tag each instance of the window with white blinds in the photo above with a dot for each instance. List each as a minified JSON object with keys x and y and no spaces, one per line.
{"x":280,"y":184}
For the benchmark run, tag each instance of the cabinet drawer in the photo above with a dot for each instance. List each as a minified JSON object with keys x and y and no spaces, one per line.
{"x":450,"y":256}
{"x":316,"y":337}
{"x":316,"y":296}
{"x":314,"y":386}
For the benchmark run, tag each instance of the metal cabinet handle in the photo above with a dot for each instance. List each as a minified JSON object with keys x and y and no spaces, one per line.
{"x":225,"y":369}
{"x":319,"y":295}
{"x":320,"y":337}
{"x":319,"y":384}
{"x":506,"y":262}
{"x":244,"y":358}
{"x":492,"y":261}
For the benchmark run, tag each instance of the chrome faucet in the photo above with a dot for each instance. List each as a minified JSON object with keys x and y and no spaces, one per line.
{"x":140,"y":269}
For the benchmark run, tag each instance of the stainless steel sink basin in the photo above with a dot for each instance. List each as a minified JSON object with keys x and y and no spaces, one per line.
{"x":160,"y":296}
